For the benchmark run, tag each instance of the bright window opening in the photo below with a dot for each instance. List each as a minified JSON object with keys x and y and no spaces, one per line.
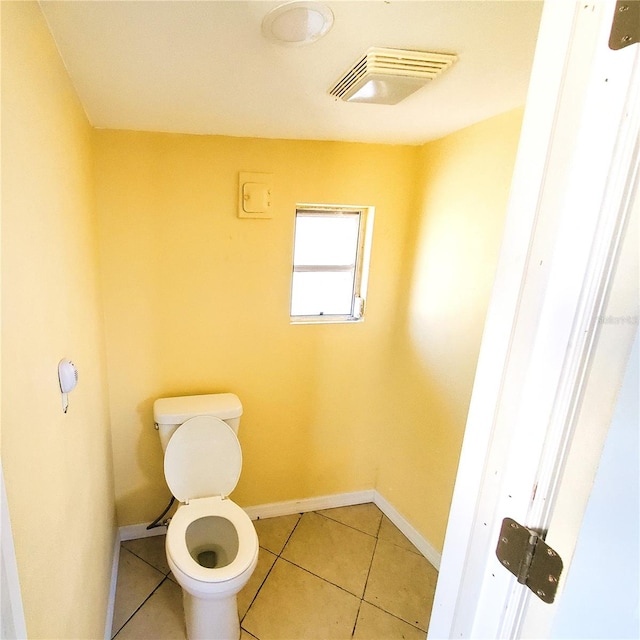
{"x":330,"y":263}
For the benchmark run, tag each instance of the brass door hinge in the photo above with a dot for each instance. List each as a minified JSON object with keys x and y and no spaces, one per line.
{"x":625,"y":29}
{"x":530,"y":559}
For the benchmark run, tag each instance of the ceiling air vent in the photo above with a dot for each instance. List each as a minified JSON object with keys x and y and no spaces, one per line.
{"x":386,"y":76}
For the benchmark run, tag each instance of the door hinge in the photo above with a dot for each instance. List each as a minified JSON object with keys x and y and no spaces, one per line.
{"x":625,"y":29}
{"x":530,"y":559}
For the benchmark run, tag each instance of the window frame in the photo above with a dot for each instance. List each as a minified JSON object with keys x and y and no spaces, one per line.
{"x":361,"y":267}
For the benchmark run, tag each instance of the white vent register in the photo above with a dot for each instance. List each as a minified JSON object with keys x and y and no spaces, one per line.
{"x":387,"y":76}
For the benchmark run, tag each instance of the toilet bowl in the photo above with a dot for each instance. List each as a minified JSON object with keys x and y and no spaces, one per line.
{"x":211,"y":543}
{"x":212,"y":550}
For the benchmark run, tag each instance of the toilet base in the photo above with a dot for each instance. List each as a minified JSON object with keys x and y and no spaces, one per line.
{"x":211,"y":619}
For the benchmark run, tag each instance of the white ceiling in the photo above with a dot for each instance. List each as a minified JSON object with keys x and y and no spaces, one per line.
{"x":204,"y":67}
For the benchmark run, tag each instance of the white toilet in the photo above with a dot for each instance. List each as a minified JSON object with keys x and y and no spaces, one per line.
{"x":211,"y":544}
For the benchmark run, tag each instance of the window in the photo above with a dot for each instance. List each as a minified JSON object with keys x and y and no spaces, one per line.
{"x":330,"y":263}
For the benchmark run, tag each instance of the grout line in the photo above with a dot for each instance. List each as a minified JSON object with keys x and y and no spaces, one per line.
{"x":140,"y":607}
{"x":373,"y":555}
{"x":145,"y":560}
{"x":315,"y":575}
{"x":355,"y":622}
{"x":307,"y":570}
{"x":280,"y":557}
{"x":380,"y":523}
{"x":360,"y":598}
{"x":366,"y":533}
{"x":393,"y":615}
{"x":295,"y":526}
{"x":259,"y":588}
{"x":376,"y":535}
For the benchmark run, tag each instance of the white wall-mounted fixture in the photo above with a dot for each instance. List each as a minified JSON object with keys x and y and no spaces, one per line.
{"x":297,"y":23}
{"x":386,"y":76}
{"x":254,"y":195}
{"x":68,"y":379}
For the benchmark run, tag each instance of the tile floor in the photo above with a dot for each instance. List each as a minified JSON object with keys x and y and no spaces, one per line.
{"x":339,"y":573}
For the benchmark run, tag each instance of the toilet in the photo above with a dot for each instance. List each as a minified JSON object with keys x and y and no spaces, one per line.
{"x":211,"y":543}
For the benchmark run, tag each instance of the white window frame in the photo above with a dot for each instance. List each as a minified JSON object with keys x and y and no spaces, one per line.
{"x":363,"y":255}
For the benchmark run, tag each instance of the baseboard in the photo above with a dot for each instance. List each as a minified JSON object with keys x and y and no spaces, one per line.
{"x":108,"y":628}
{"x":288,"y":507}
{"x":304,"y":505}
{"x":344,"y":500}
{"x":135,"y":531}
{"x":410,"y":532}
{"x":270,"y":510}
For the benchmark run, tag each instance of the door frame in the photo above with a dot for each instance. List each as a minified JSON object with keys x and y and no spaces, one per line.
{"x":574,"y":179}
{"x":13,"y":621}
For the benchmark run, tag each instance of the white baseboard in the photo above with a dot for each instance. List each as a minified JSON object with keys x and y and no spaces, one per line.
{"x":108,"y":628}
{"x":135,"y":531}
{"x":288,"y":507}
{"x":304,"y":505}
{"x":410,"y":532}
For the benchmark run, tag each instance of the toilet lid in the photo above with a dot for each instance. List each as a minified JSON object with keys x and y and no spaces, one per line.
{"x":203,"y":459}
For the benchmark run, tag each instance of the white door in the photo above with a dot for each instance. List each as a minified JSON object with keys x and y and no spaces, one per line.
{"x":544,"y":353}
{"x":585,"y":502}
{"x":602,"y":591}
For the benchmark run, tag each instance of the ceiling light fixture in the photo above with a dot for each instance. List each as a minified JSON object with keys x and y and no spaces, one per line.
{"x":297,"y":23}
{"x":386,"y":76}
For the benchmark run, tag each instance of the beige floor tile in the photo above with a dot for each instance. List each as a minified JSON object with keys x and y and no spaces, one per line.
{"x":273,"y":533}
{"x":136,"y":580}
{"x":391,"y":533}
{"x":332,"y":551}
{"x":245,"y":635}
{"x":364,"y":517}
{"x":248,"y":593}
{"x":375,"y":624}
{"x":402,"y":583}
{"x":161,"y":616}
{"x":295,"y":605}
{"x":150,"y":549}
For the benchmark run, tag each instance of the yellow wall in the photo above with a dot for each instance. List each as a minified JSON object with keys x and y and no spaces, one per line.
{"x":57,"y":467}
{"x":197,"y":301}
{"x":451,"y":255}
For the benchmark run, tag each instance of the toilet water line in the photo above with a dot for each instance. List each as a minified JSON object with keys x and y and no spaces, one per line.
{"x":156,"y":522}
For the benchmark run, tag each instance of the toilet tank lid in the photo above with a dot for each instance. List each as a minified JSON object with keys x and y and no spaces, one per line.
{"x":177,"y":410}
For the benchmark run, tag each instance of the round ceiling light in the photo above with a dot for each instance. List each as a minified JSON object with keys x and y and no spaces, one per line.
{"x":297,"y":23}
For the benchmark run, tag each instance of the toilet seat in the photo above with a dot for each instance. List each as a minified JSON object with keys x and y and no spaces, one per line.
{"x":203,"y":458}
{"x":202,"y":465}
{"x":176,"y":545}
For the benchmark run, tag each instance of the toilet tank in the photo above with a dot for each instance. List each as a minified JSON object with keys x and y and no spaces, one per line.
{"x":170,"y":413}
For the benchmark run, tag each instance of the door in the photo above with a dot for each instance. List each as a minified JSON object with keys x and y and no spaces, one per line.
{"x":607,"y":549}
{"x":571,"y":200}
{"x":588,"y":513}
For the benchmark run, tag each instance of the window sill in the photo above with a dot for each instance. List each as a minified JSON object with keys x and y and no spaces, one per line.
{"x":325,"y":320}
